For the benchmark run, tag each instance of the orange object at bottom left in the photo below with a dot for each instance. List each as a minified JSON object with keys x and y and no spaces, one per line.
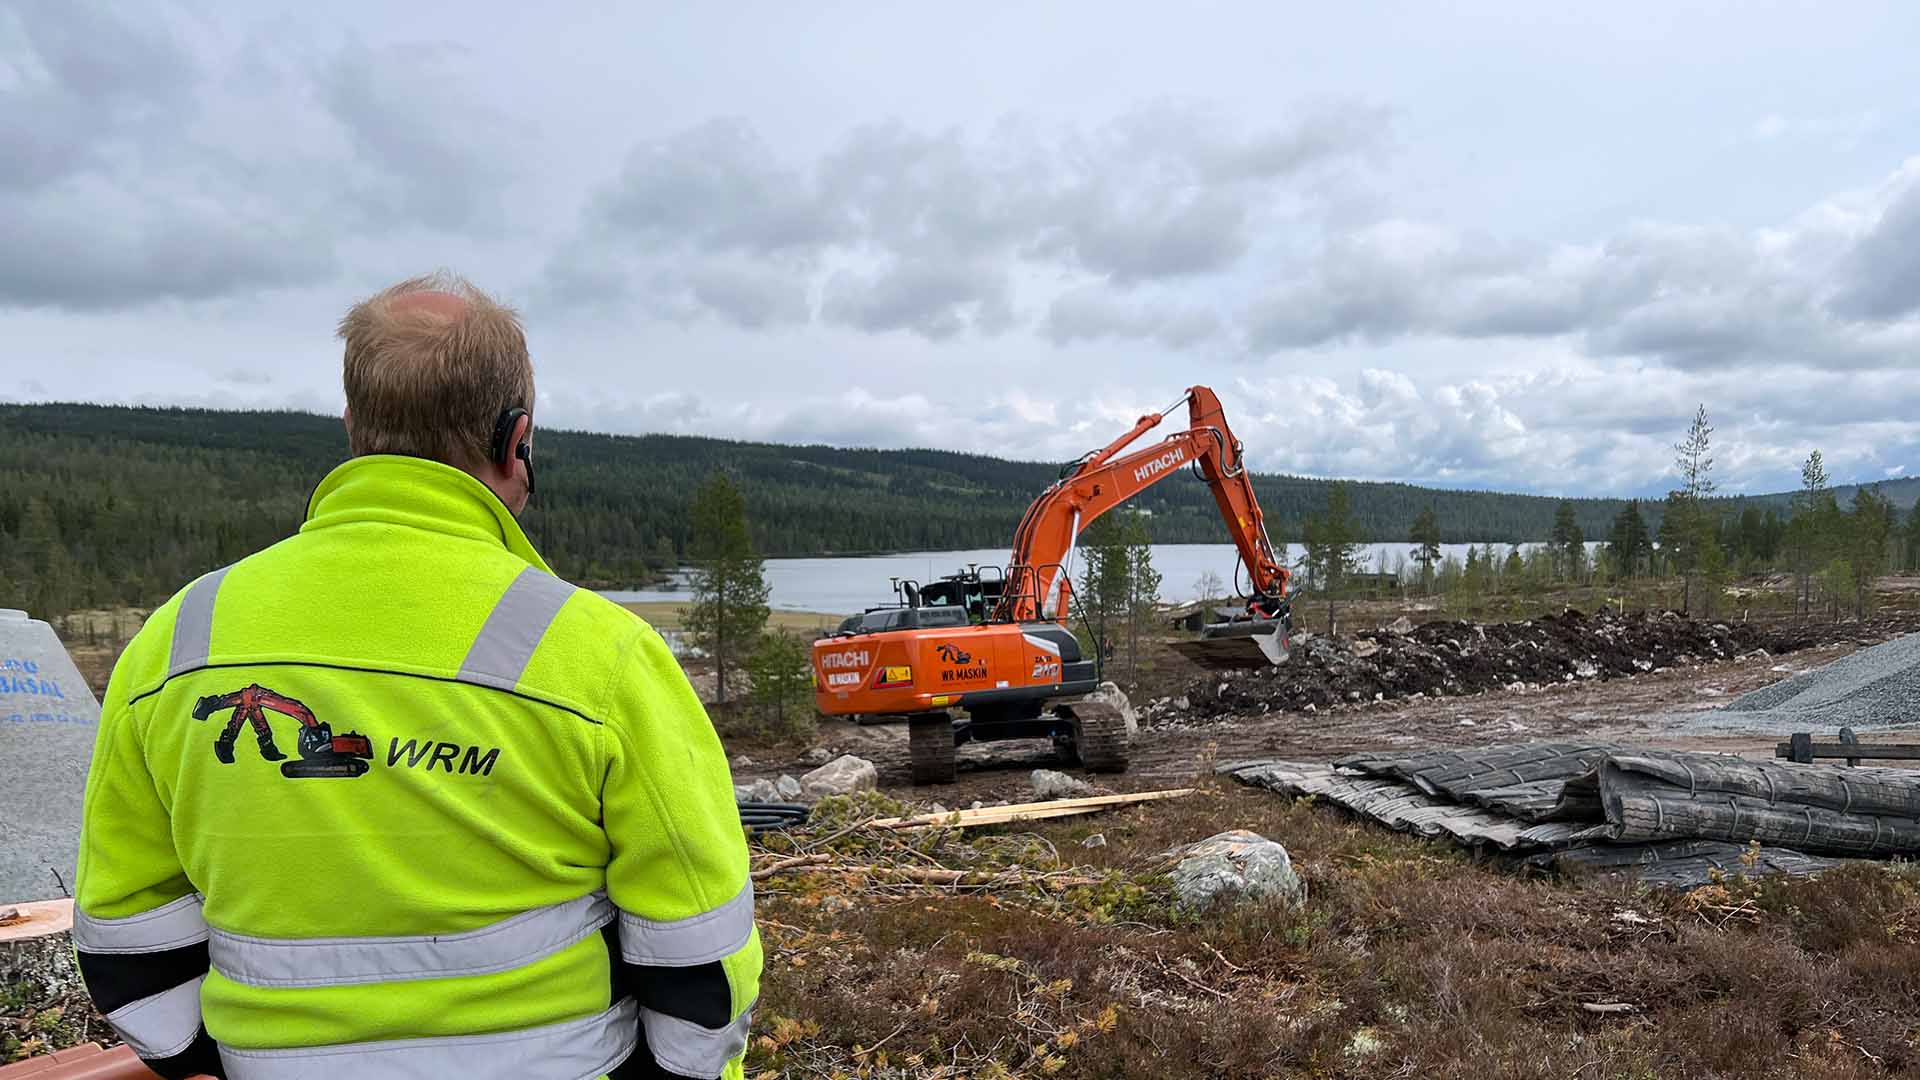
{"x":84,"y":1062}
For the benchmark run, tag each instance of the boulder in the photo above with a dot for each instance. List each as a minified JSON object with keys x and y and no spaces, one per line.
{"x":1234,"y":866}
{"x":819,"y":755}
{"x":1111,"y":694}
{"x":1048,"y":784}
{"x":788,"y":787}
{"x":843,"y":775}
{"x":48,"y":722}
{"x":757,"y":791}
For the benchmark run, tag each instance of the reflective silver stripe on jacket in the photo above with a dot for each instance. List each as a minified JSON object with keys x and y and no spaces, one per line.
{"x":162,"y":1025}
{"x":514,"y":628}
{"x":340,"y":961}
{"x":686,"y":1048}
{"x":698,"y":939}
{"x":575,"y":1050}
{"x":193,"y":624}
{"x":168,"y":926}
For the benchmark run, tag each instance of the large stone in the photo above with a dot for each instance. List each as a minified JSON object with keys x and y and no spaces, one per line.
{"x":843,"y":775}
{"x":48,"y":721}
{"x":1235,"y":866}
{"x":757,"y":791}
{"x":1111,"y":694}
{"x":788,"y":787}
{"x":1048,"y":784}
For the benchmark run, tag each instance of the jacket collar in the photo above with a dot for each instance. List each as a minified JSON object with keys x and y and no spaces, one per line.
{"x":419,"y":494}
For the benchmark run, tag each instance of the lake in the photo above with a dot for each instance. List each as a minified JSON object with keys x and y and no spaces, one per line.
{"x":842,"y":586}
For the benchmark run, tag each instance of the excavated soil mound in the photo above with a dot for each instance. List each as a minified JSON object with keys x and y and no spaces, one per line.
{"x":1455,"y":658}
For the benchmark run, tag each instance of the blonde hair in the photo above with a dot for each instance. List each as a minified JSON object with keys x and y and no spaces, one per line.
{"x":428,"y":382}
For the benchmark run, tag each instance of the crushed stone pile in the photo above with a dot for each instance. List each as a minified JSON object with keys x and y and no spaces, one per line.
{"x":1451,"y":658}
{"x":1672,"y":817}
{"x":1875,"y":689}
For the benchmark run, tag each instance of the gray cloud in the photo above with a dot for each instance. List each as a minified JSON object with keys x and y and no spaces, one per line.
{"x":1095,"y":313}
{"x":1688,"y":297}
{"x":1881,"y":275}
{"x":927,"y":232}
{"x":425,"y":152}
{"x":138,"y":170}
{"x":74,"y":81}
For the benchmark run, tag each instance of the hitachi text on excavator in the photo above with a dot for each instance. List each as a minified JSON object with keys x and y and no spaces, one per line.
{"x":989,"y":653}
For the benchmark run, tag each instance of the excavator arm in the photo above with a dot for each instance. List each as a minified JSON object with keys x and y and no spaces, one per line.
{"x":1039,"y":579}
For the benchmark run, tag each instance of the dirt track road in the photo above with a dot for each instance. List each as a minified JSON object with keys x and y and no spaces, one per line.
{"x":1169,"y":751}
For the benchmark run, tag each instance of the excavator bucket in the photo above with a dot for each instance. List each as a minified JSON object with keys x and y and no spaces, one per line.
{"x":1242,"y":643}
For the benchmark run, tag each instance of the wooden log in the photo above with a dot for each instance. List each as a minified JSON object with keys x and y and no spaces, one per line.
{"x":1002,"y":815}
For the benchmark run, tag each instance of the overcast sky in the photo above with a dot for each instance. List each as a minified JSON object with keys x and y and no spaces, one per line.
{"x":1474,"y":245}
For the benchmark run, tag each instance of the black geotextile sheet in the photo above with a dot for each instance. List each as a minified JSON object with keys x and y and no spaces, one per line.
{"x":1674,"y":816}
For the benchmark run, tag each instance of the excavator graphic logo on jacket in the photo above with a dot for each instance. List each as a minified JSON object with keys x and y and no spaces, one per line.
{"x":322,"y":753}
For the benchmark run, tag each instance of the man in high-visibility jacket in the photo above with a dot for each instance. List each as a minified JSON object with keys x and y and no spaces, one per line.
{"x":481,"y":826}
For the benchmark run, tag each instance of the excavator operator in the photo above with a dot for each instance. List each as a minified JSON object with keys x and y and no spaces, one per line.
{"x":497,"y":837}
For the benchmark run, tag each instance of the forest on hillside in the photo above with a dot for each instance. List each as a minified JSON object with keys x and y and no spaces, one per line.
{"x":119,"y":505}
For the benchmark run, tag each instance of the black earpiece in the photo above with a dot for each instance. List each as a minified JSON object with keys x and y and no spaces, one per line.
{"x":503,"y":434}
{"x":502,"y":431}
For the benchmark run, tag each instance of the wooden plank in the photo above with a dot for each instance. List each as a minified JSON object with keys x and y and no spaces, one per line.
{"x":1001,"y":815}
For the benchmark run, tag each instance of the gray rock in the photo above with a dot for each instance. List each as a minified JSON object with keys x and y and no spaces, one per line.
{"x":843,"y":775}
{"x":757,"y":791}
{"x":1096,"y":840}
{"x":48,"y":723}
{"x":1401,"y":626}
{"x":1233,"y":866}
{"x":1181,"y":703}
{"x":1048,"y":784}
{"x":1111,"y":694}
{"x":787,"y":787}
{"x":819,"y":755}
{"x":741,"y":761}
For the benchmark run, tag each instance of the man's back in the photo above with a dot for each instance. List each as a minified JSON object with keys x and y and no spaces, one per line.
{"x":414,"y":775}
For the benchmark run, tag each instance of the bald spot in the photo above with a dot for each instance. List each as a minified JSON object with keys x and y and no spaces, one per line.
{"x":444,"y":305}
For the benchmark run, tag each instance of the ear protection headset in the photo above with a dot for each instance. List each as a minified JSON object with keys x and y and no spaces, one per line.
{"x":504,"y":454}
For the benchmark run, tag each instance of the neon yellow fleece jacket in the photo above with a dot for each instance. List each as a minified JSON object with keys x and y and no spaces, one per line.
{"x":389,"y":801}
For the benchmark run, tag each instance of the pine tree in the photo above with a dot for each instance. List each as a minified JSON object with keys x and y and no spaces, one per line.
{"x":1867,"y":531}
{"x":1807,"y":533}
{"x":780,"y":670}
{"x":1332,"y":548}
{"x":1628,"y":540}
{"x":729,"y":581}
{"x":1425,"y":536}
{"x":1102,"y":595}
{"x":1569,"y":543}
{"x":1689,"y":525}
{"x":1143,"y":588}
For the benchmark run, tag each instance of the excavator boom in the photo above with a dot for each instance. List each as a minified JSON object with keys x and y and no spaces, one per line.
{"x":1040,"y":575}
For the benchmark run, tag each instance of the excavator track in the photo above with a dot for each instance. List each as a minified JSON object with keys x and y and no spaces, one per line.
{"x":931,"y":748}
{"x":1099,"y":736}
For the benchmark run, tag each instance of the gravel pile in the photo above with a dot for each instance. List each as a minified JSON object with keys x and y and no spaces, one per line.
{"x":1876,"y":689}
{"x":1446,"y":659}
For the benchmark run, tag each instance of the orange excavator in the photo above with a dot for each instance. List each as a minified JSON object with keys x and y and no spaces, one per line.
{"x":984,"y":654}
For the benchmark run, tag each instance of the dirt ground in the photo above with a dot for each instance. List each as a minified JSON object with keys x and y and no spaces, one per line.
{"x":1172,"y":747}
{"x":1058,"y":949}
